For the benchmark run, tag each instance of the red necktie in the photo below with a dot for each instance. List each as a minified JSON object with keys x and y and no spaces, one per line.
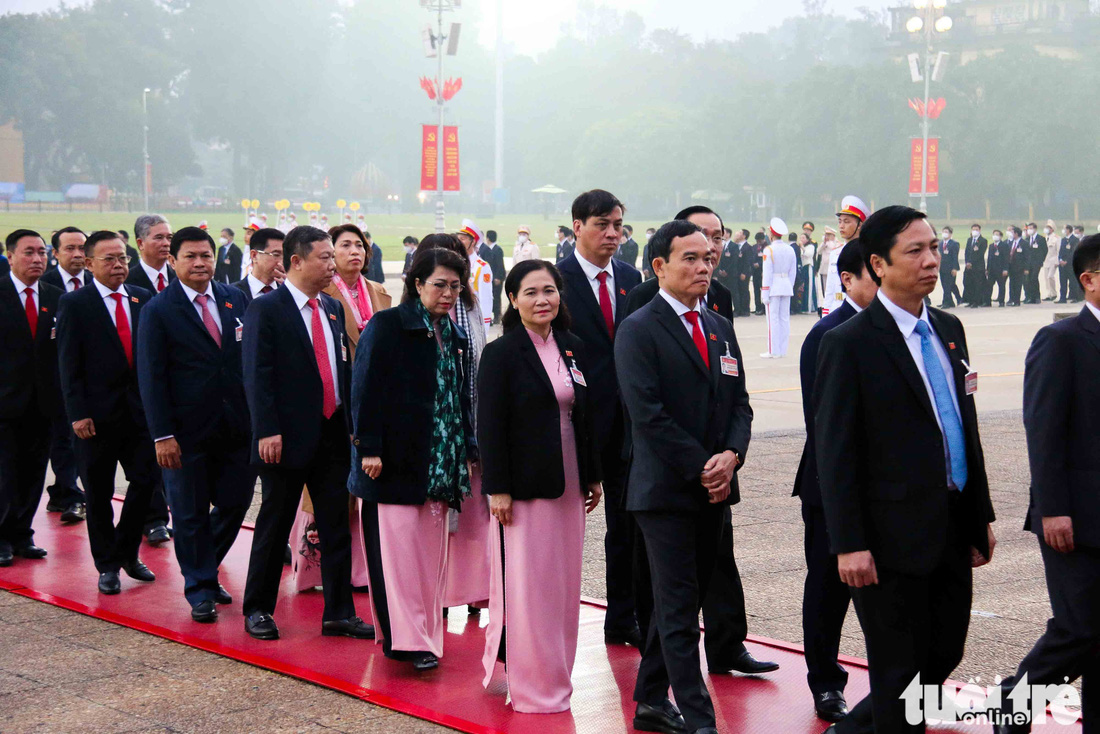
{"x":75,"y":282}
{"x":605,"y":304}
{"x":32,"y":312}
{"x":208,"y":320}
{"x":320,"y":352}
{"x":160,"y":282}
{"x":122,"y":324}
{"x":697,"y":336}
{"x":265,"y":289}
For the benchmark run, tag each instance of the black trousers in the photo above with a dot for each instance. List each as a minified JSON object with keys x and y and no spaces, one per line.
{"x":913,"y":625}
{"x":974,"y":287}
{"x":618,"y":542}
{"x":63,"y":491}
{"x":158,"y":506}
{"x":757,"y":282}
{"x":1070,"y":648}
{"x":24,"y":454}
{"x":128,"y":444}
{"x":740,"y":291}
{"x":999,"y":281}
{"x":951,"y":294}
{"x":497,"y":289}
{"x":327,"y":477}
{"x":1031,"y":286}
{"x":825,"y":601}
{"x":1015,"y":285}
{"x":1069,"y":288}
{"x":681,"y":547}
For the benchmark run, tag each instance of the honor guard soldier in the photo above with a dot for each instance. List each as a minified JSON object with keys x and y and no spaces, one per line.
{"x":780,"y":269}
{"x":853,"y":213}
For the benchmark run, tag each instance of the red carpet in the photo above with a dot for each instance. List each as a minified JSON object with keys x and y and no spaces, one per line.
{"x":452,"y":695}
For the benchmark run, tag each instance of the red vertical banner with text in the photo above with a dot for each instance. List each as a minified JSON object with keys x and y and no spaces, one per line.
{"x":932,"y":186}
{"x":450,"y":158}
{"x":916,"y":163}
{"x":429,"y":158}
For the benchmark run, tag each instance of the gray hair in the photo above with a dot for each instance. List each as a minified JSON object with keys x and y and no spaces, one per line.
{"x":146,"y":222}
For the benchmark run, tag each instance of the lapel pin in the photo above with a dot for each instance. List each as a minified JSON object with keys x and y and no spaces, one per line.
{"x":332,"y":317}
{"x":45,"y":310}
{"x":568,"y":353}
{"x":950,"y":345}
{"x":714,"y":306}
{"x":713,"y":338}
{"x":228,"y":304}
{"x":134,"y":299}
{"x":622,"y":291}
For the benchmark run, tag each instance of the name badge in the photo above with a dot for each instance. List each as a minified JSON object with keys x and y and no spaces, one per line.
{"x":239,"y":330}
{"x":53,"y":333}
{"x":970,"y":382}
{"x":577,"y":376}
{"x":729,"y":363}
{"x":343,"y":349}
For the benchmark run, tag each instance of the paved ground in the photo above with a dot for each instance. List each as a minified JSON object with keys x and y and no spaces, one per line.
{"x":63,"y":672}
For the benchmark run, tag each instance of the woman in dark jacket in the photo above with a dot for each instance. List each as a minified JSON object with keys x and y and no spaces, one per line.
{"x":541,"y":468}
{"x":413,"y":440}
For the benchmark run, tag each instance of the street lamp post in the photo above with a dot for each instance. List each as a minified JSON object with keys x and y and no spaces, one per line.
{"x":930,"y":24}
{"x":148,"y":177}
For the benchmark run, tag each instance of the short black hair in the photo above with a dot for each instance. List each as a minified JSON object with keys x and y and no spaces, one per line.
{"x":451,"y":242}
{"x":299,"y":241}
{"x":699,"y":209}
{"x":410,"y":240}
{"x":1087,"y":256}
{"x":746,"y":233}
{"x":228,"y":230}
{"x":55,"y":240}
{"x":850,"y":260}
{"x":879,"y":233}
{"x":761,"y":237}
{"x":1030,"y":224}
{"x":261,"y":238}
{"x":1078,"y":228}
{"x":565,"y":230}
{"x":628,"y":229}
{"x":792,"y":237}
{"x":972,"y":226}
{"x":366,"y":234}
{"x":660,"y":245}
{"x":595,"y":203}
{"x":11,"y":239}
{"x":727,"y":230}
{"x":511,"y":318}
{"x":102,"y":235}
{"x":424,"y":263}
{"x":948,"y":228}
{"x":1069,"y":227}
{"x":997,"y":231}
{"x":190,"y":234}
{"x":491,"y":235}
{"x":125,"y":235}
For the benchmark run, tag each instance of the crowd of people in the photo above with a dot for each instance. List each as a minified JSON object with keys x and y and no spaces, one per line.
{"x":401,"y":451}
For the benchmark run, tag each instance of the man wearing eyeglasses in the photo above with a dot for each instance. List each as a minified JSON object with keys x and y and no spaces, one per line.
{"x":267,"y":264}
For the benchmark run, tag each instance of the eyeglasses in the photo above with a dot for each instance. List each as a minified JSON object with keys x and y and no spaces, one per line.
{"x":442,"y":285}
{"x":114,"y":259}
{"x":272,"y":253}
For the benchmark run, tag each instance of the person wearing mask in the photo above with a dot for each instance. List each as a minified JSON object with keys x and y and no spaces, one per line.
{"x":30,"y":393}
{"x":757,"y":262}
{"x":853,"y":213}
{"x":746,"y":257}
{"x":525,"y":249}
{"x":266,"y":258}
{"x":974,"y":280}
{"x":997,"y":269}
{"x":97,"y":341}
{"x":1049,"y":279}
{"x":375,"y":272}
{"x":1067,"y":293}
{"x":1035,"y":247}
{"x":230,"y":259}
{"x":409,"y":244}
{"x":728,"y":268}
{"x":1019,"y":268}
{"x":414,"y":441}
{"x":646,"y":273}
{"x":628,"y":250}
{"x":534,"y":394}
{"x":949,"y":269}
{"x":780,"y":271}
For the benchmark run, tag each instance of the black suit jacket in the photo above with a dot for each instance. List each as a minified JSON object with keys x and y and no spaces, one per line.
{"x":719,"y":299}
{"x":496,"y":262}
{"x":681,"y":413}
{"x":190,"y":387}
{"x":949,"y":256}
{"x":282,"y":384}
{"x":1018,"y":257}
{"x":28,"y":367}
{"x":1061,"y":393}
{"x":628,"y":252}
{"x":998,"y":258}
{"x":975,"y":253}
{"x":229,"y":263}
{"x":1066,"y":249}
{"x":519,"y":423}
{"x":884,"y":478}
{"x":589,"y":325}
{"x":729,"y":262}
{"x":1037,"y":251}
{"x":806,"y":484}
{"x":246,"y":289}
{"x":53,"y":277}
{"x":96,"y":380}
{"x":138,"y":277}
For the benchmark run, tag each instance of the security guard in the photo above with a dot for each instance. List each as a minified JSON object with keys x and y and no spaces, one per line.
{"x":780,"y":269}
{"x":853,"y":213}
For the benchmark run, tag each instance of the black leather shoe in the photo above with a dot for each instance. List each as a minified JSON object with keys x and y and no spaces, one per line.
{"x":747,"y":664}
{"x":261,"y":626}
{"x":664,"y":717}
{"x":223,"y":596}
{"x":351,"y":627}
{"x":204,"y":612}
{"x":158,"y":535}
{"x":288,"y":557}
{"x":423,"y":661}
{"x":109,"y":583}
{"x":138,"y":571}
{"x":30,"y":550}
{"x":628,"y":637}
{"x":5,"y":555}
{"x":830,"y":705}
{"x":73,"y":513}
{"x":52,"y":506}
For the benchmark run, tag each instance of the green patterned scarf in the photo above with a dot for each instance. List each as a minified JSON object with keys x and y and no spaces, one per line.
{"x":448,"y":479}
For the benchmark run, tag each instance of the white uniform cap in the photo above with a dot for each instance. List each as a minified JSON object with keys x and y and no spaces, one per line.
{"x":854,"y":206}
{"x":778,"y":227}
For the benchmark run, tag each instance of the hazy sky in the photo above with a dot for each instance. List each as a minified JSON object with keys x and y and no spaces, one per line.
{"x":533,"y":24}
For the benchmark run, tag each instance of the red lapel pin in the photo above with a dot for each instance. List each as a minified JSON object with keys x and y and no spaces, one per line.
{"x":713,"y":338}
{"x":950,"y":345}
{"x":228,"y":304}
{"x":332,"y":317}
{"x":568,"y":353}
{"x":45,"y":310}
{"x":134,"y":299}
{"x":622,"y":291}
{"x":715,"y":307}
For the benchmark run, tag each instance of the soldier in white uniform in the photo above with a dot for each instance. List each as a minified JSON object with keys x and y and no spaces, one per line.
{"x":481,"y":274}
{"x":853,"y":213}
{"x":780,"y":269}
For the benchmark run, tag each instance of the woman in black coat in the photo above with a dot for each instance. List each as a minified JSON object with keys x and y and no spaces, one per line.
{"x":541,"y":467}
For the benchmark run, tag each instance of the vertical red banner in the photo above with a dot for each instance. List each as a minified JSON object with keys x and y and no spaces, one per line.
{"x":932,"y":186}
{"x":429,"y":158}
{"x":916,"y":162}
{"x":450,"y":158}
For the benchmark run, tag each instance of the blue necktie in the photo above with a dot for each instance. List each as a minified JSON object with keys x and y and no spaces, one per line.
{"x":952,"y":426}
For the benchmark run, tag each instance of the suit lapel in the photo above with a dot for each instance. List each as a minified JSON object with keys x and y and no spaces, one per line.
{"x":620,"y":292}
{"x":530,"y":354}
{"x":101,"y":314}
{"x":672,"y":323}
{"x":187,"y":310}
{"x":294,"y":318}
{"x":228,"y":316}
{"x":338,"y":347}
{"x":891,"y":339}
{"x":12,"y":297}
{"x":947,"y":335}
{"x":579,"y":282}
{"x":715,"y":348}
{"x":1091,"y":325}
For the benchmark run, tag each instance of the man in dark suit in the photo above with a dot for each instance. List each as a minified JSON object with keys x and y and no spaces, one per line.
{"x":596,"y":290}
{"x":628,"y":250}
{"x":189,"y":369}
{"x":266,"y":251}
{"x":728,"y":267}
{"x":375,"y":271}
{"x":1066,"y":282}
{"x":97,"y":341}
{"x":30,"y":395}
{"x":230,"y":258}
{"x":974,"y":287}
{"x":1035,"y":245}
{"x":493,"y":254}
{"x":297,"y":376}
{"x":69,"y":275}
{"x":757,"y":265}
{"x":1018,"y":265}
{"x":130,"y":250}
{"x":647,"y":273}
{"x":566,"y":244}
{"x":683,"y":387}
{"x":825,"y":599}
{"x":901,"y":470}
{"x":997,"y":269}
{"x":1061,"y":391}
{"x":949,"y":268}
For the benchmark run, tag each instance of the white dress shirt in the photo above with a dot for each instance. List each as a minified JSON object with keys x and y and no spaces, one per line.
{"x":67,"y":278}
{"x":109,"y":304}
{"x":681,"y":309}
{"x":301,"y":300}
{"x":1094,"y":309}
{"x":154,"y":273}
{"x":211,"y":304}
{"x":256,"y":285}
{"x":852,"y":303}
{"x":21,"y":288}
{"x":591,"y":271}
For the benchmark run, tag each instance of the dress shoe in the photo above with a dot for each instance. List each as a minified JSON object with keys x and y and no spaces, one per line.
{"x":766,"y":355}
{"x":109,"y":583}
{"x":350,"y":627}
{"x":138,"y":571}
{"x":204,"y":612}
{"x":222,"y":596}
{"x":631,"y":637}
{"x":261,"y":626}
{"x":5,"y":555}
{"x":30,"y":550}
{"x":73,"y":513}
{"x":158,"y":535}
{"x":830,"y":705}
{"x":288,"y":557}
{"x":422,"y":661}
{"x":52,"y":506}
{"x":664,"y":717}
{"x":1061,"y":300}
{"x":746,"y":663}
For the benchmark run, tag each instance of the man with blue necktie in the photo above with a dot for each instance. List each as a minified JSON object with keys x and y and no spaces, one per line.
{"x":902,"y":474}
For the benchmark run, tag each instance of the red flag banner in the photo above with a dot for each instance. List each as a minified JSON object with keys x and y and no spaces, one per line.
{"x":916,"y":150}
{"x":429,"y":158}
{"x":450,"y":158}
{"x":933,"y":184}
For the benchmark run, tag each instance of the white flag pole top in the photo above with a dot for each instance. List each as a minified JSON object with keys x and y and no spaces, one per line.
{"x":854,"y":206}
{"x":778,"y":227}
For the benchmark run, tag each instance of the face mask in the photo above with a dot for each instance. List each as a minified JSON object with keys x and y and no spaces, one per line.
{"x":996,"y":238}
{"x":1031,"y":233}
{"x":410,"y":249}
{"x":946,"y":235}
{"x":647,"y":236}
{"x":223,"y":241}
{"x":976,"y":233}
{"x":523,"y":239}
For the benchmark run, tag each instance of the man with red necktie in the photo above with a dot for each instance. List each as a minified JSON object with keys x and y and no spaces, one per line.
{"x":297,"y":379}
{"x":29,"y":392}
{"x":96,"y":333}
